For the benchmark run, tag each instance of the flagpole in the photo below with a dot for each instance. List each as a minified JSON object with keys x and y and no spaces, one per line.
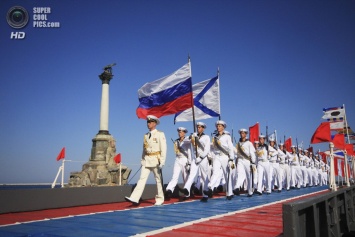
{"x":219,"y":104}
{"x":193,"y":105}
{"x":345,"y":157}
{"x":63,"y":173}
{"x":192,"y":98}
{"x":332,"y":185}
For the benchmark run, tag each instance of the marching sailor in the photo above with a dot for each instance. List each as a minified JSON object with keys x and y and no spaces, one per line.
{"x":245,"y":163}
{"x":263,"y":166}
{"x":201,"y":148}
{"x":275,"y":166}
{"x":307,"y":162}
{"x":224,"y":159}
{"x":153,"y":160}
{"x":284,"y":167}
{"x":182,"y":147}
{"x":304,"y":172}
{"x":296,"y":173}
{"x":314,"y":165}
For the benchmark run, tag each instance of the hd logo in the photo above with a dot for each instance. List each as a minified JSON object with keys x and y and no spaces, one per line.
{"x":17,"y":17}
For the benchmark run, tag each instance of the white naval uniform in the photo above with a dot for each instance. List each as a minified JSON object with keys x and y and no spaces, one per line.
{"x":284,"y":169}
{"x":307,"y":162}
{"x":320,"y":172}
{"x":201,"y":167}
{"x":303,"y":168}
{"x":263,"y":169}
{"x":154,"y":154}
{"x":275,"y":173}
{"x":183,"y":157}
{"x":314,"y":173}
{"x":221,"y":161}
{"x":296,"y":173}
{"x":244,"y":164}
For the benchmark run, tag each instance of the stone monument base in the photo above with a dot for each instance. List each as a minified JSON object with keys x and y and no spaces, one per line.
{"x":101,"y":170}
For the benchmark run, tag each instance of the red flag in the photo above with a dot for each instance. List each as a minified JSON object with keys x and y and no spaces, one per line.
{"x":254,"y":133}
{"x":310,"y":149}
{"x":322,"y":134}
{"x":349,"y":149}
{"x":288,"y":144}
{"x":339,"y":142}
{"x":117,"y":158}
{"x":324,"y":156}
{"x":61,"y":155}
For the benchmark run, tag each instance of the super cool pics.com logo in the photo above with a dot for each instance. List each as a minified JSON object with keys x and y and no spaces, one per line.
{"x":17,"y":17}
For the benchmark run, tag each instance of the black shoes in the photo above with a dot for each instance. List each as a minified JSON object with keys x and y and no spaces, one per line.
{"x":249,"y":195}
{"x":236,"y":192}
{"x":259,"y":193}
{"x":168,"y":194}
{"x":186,"y":192}
{"x":204,"y":199}
{"x":208,"y":192}
{"x":131,"y":201}
{"x":229,"y":197}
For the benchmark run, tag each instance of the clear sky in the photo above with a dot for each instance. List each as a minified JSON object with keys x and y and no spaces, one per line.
{"x":281,"y":63}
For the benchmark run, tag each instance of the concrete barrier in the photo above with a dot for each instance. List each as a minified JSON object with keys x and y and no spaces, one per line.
{"x":331,"y":214}
{"x":19,"y":200}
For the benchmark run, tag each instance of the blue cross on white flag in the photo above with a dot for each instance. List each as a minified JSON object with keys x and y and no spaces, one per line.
{"x":206,"y":101}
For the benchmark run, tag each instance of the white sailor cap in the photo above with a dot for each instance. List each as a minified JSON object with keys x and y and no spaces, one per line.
{"x":300,"y":148}
{"x":261,"y":136}
{"x":293,"y":146}
{"x":153,"y":118}
{"x":257,"y":142}
{"x":310,"y":153}
{"x":221,"y":122}
{"x":306,"y":151}
{"x":182,"y":129}
{"x":281,"y":144}
{"x":202,"y":124}
{"x":271,"y":139}
{"x":243,"y":130}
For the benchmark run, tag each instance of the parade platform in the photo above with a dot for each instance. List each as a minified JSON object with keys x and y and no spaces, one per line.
{"x":241,"y":216}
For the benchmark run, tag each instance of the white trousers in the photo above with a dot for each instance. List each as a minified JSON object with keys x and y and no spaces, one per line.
{"x":220,"y":163}
{"x":243,"y":173}
{"x":286,"y":175}
{"x":275,"y":175}
{"x":138,"y":190}
{"x":264,"y":173}
{"x":296,"y":176}
{"x":304,"y":176}
{"x":201,"y":168}
{"x":179,"y":167}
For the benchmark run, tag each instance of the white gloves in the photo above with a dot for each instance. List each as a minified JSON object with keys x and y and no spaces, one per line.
{"x":161,"y":166}
{"x":198,"y":160}
{"x":253,"y":166}
{"x":187,"y":167}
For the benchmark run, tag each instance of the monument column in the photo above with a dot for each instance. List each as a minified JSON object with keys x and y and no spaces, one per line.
{"x":101,"y":169}
{"x":105,"y":77}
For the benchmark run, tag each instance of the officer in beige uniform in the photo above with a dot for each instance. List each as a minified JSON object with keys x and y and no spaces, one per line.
{"x":153,"y":159}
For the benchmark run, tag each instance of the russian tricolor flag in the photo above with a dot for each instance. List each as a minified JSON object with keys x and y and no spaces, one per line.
{"x":168,"y":95}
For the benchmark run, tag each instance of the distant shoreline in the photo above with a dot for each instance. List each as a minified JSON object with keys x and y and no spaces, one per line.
{"x":13,"y":184}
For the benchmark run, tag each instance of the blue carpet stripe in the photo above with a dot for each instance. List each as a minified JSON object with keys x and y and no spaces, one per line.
{"x":142,"y":220}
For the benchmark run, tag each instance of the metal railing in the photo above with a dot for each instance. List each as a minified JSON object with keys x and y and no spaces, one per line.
{"x":330,"y":214}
